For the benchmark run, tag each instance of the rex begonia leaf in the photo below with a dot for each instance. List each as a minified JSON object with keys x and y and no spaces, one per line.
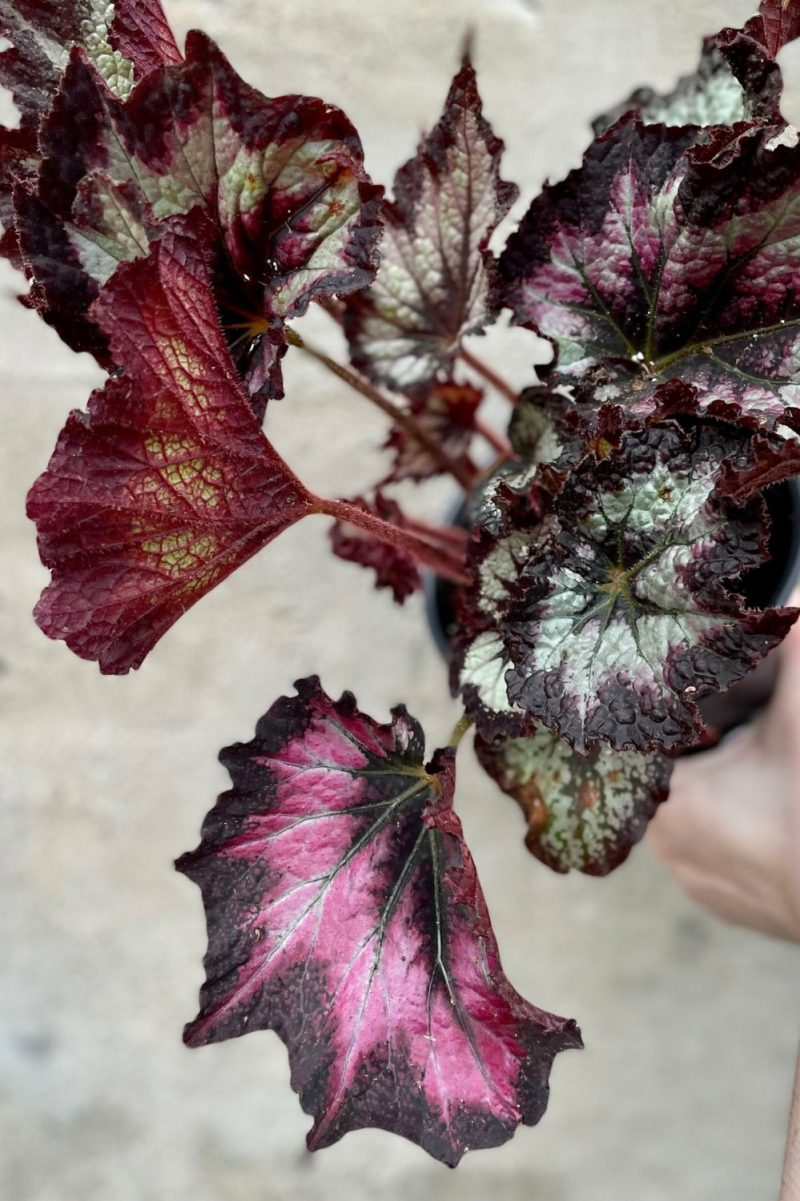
{"x":613,"y":617}
{"x":445,"y":409}
{"x":167,"y":484}
{"x":584,"y":812}
{"x":737,"y":80}
{"x":344,"y":912}
{"x":282,"y":179}
{"x":123,"y":41}
{"x":394,"y":568}
{"x":434,"y":282}
{"x":676,"y":262}
{"x":479,"y":660}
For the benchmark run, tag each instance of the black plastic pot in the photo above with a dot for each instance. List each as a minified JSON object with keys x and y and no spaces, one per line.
{"x":769,"y":585}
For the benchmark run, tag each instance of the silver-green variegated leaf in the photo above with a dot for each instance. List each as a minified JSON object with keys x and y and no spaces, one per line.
{"x":737,"y":80}
{"x":433,"y":287}
{"x":584,"y":812}
{"x":621,"y":620}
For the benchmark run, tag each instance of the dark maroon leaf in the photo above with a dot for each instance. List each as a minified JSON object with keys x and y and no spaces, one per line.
{"x":446,"y":410}
{"x":394,"y":568}
{"x":344,"y":913}
{"x":584,"y":812}
{"x":167,"y":484}
{"x":675,"y":260}
{"x":434,"y":282}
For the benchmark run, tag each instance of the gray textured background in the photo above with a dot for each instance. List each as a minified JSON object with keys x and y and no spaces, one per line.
{"x":690,"y":1027}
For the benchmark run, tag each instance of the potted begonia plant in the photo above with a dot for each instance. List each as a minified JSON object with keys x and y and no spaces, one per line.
{"x":605,"y":575}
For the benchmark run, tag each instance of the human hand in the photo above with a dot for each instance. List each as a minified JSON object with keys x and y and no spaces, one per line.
{"x":730,"y":831}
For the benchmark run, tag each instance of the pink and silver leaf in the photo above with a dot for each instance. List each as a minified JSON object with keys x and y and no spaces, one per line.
{"x":434,"y":284}
{"x":344,"y":913}
{"x":281,"y":179}
{"x":671,"y":260}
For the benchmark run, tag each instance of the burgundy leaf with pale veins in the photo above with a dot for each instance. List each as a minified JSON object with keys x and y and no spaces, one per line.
{"x":344,"y":913}
{"x":609,"y":619}
{"x":434,"y":283}
{"x":167,"y":484}
{"x":282,"y":179}
{"x":675,"y":260}
{"x":394,"y":568}
{"x":445,"y":409}
{"x":584,"y":812}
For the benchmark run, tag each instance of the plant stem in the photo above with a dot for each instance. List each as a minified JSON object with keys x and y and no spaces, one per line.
{"x":459,"y":730}
{"x":451,"y":536}
{"x":445,"y":561}
{"x":406,"y":422}
{"x":490,"y":375}
{"x":495,"y":440}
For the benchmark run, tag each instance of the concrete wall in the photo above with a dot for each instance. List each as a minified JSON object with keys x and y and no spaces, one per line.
{"x":690,"y":1027}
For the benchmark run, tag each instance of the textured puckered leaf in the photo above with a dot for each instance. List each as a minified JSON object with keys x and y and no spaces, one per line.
{"x":283,"y":179}
{"x":344,"y":913}
{"x":167,"y":484}
{"x":678,"y":261}
{"x":737,"y":79}
{"x":434,"y":282}
{"x":614,"y":611}
{"x":394,"y":568}
{"x":480,"y":660}
{"x":446,"y":410}
{"x":584,"y":812}
{"x":115,"y":38}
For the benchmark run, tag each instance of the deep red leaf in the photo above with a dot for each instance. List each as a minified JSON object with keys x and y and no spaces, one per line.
{"x":777,"y":24}
{"x":167,"y":484}
{"x":344,"y":913}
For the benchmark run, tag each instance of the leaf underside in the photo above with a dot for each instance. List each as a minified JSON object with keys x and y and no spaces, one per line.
{"x":167,"y":484}
{"x":345,"y":914}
